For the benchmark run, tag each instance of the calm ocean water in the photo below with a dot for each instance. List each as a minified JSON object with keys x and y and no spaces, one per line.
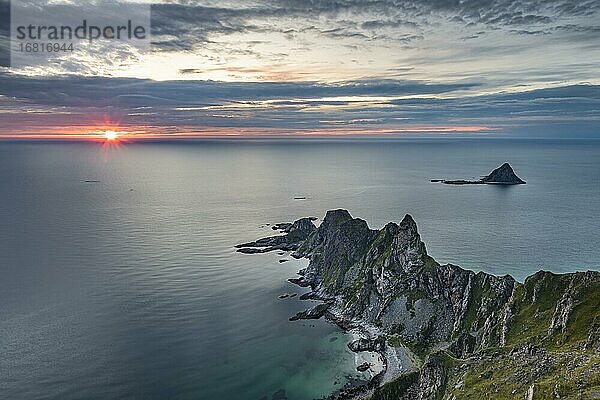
{"x":130,"y":287}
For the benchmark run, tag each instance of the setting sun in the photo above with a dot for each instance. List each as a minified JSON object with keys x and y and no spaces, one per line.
{"x":111,"y":135}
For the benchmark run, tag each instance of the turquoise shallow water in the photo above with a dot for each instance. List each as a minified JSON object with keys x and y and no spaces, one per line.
{"x":130,"y":287}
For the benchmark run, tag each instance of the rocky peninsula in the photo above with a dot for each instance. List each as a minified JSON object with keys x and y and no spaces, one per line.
{"x":467,"y":335}
{"x":503,"y":175}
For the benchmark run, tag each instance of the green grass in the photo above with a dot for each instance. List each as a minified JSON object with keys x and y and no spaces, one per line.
{"x":531,"y":319}
{"x":396,"y":388}
{"x":506,"y":377}
{"x":558,"y":365}
{"x":395,"y":341}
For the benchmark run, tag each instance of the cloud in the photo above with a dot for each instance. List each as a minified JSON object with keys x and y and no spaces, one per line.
{"x":189,"y":24}
{"x":93,"y":91}
{"x":332,"y":40}
{"x":381,"y":106}
{"x":502,"y":67}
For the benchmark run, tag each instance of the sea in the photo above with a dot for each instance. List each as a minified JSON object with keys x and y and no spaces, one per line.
{"x":119,"y":278}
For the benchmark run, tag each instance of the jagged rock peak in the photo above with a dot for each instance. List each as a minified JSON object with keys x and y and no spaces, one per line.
{"x":408,"y":223}
{"x":503,"y":174}
{"x":336,"y":217}
{"x":456,"y":321}
{"x":304,"y":224}
{"x":340,"y":223}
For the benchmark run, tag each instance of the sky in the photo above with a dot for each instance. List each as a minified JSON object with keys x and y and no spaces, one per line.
{"x":324,"y":67}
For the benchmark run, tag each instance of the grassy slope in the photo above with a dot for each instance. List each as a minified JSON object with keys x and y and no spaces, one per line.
{"x":558,"y":365}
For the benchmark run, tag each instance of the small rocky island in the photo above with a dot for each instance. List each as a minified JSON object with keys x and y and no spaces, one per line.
{"x":466,"y":335}
{"x":503,"y":175}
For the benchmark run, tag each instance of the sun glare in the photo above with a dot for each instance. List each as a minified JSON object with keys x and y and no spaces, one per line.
{"x":111,"y":135}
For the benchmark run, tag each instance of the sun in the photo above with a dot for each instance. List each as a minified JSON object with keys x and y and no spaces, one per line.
{"x":111,"y":135}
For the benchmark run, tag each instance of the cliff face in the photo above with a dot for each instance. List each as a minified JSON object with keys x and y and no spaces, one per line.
{"x":477,"y":335}
{"x":386,"y":278}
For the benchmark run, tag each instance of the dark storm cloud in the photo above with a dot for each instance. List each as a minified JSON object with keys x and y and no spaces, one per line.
{"x":375,"y":14}
{"x":90,"y":91}
{"x":187,"y":25}
{"x":190,"y":24}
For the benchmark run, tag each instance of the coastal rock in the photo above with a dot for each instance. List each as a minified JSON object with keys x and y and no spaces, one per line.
{"x":314,"y":313}
{"x":284,"y":226}
{"x":253,"y":250}
{"x":363,"y":367}
{"x":459,"y":325}
{"x":296,"y":234}
{"x":503,"y":175}
{"x":309,"y":296}
{"x":302,"y":282}
{"x":387,"y":277}
{"x":364,"y":344}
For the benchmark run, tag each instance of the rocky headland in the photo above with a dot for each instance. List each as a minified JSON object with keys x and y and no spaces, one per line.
{"x":503,"y":175}
{"x":444,"y":332}
{"x":295,"y":234}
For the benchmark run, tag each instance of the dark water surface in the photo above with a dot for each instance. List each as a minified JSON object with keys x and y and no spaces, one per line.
{"x":130,"y":287}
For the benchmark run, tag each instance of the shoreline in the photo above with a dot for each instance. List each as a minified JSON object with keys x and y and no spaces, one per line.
{"x":391,"y":361}
{"x":384,"y":370}
{"x":452,"y":325}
